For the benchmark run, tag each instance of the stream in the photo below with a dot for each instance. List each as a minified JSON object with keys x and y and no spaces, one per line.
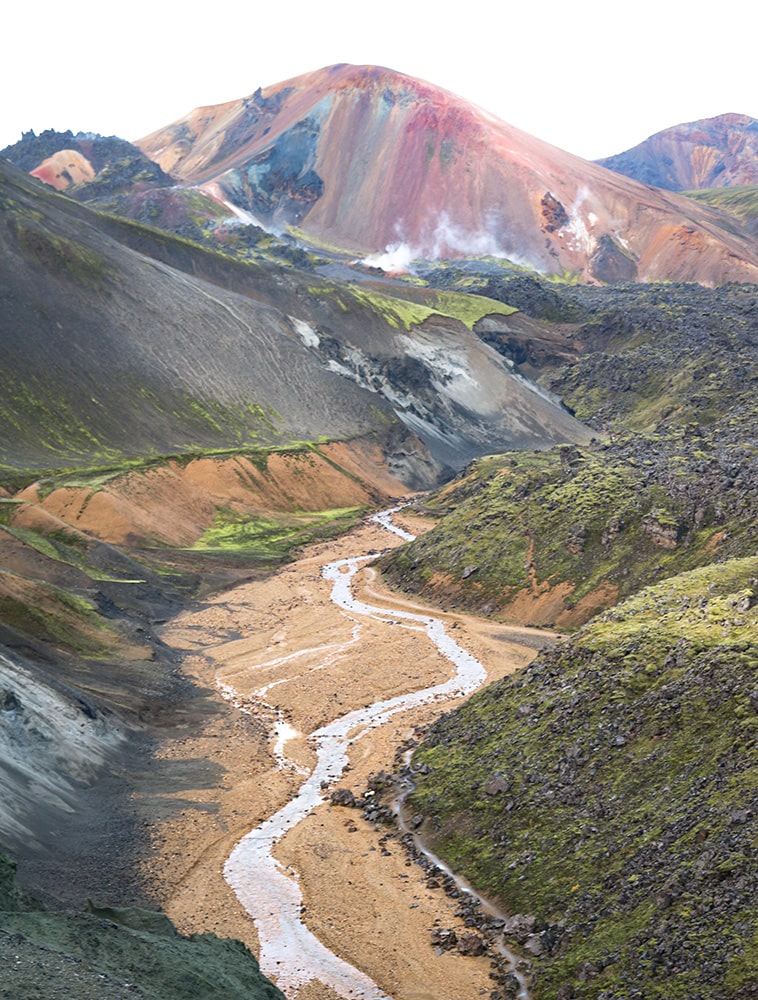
{"x":289,"y":952}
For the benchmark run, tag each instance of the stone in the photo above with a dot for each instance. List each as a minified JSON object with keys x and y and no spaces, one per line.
{"x":497,"y":785}
{"x":519,"y":927}
{"x":534,"y":945}
{"x":343,"y":797}
{"x":471,"y":944}
{"x":444,"y":937}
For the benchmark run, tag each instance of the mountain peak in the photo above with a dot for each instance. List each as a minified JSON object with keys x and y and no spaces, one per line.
{"x":708,"y":153}
{"x":382,"y":164}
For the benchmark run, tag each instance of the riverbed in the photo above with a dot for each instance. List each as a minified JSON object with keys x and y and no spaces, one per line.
{"x":311,"y":660}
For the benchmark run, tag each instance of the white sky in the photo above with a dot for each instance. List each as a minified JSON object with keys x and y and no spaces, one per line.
{"x":589,"y":76}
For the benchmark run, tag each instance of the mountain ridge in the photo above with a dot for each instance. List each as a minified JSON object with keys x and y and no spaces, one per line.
{"x":293,"y":356}
{"x":390,"y":168}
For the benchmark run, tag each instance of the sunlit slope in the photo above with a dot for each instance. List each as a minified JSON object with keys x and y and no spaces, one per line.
{"x":366,"y":158}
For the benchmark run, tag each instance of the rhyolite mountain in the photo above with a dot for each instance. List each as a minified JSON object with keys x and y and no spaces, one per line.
{"x":709,"y":153}
{"x":368,"y":159}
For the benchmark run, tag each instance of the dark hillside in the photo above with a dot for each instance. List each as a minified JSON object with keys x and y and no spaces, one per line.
{"x":107,"y":954}
{"x":120,"y":341}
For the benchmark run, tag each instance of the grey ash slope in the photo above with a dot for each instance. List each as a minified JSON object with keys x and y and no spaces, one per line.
{"x":119,"y":340}
{"x":105,"y":348}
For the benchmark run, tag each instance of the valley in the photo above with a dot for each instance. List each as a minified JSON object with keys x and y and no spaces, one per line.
{"x":303,"y":661}
{"x":224,"y":349}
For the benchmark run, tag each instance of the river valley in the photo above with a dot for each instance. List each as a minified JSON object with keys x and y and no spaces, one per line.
{"x":315,"y":670}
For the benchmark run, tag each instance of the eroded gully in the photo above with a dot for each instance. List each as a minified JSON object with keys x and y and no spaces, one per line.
{"x":289,"y":952}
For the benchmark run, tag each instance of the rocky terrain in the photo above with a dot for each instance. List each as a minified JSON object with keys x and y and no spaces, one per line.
{"x":607,"y":795}
{"x":667,"y":377}
{"x":113,"y":953}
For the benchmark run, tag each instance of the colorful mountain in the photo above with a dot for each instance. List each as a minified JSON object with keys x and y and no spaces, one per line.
{"x":710,"y":153}
{"x":367,"y":159}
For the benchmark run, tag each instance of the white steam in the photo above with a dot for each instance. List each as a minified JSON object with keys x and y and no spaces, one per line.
{"x":444,"y":239}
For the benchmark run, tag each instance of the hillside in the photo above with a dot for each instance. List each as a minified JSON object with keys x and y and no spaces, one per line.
{"x":122,"y":341}
{"x":106,"y":953}
{"x":605,"y":795}
{"x":710,"y":153}
{"x":608,"y":793}
{"x":741,"y":203}
{"x":666,"y":375}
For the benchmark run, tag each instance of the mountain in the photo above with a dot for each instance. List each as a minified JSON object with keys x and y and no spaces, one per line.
{"x":370,"y":160}
{"x":121,"y":341}
{"x":710,"y":153}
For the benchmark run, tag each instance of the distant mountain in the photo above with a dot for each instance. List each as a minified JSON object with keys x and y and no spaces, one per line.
{"x":370,"y":160}
{"x":710,"y":153}
{"x":67,"y":161}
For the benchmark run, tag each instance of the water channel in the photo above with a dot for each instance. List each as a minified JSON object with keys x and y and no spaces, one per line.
{"x":289,"y":952}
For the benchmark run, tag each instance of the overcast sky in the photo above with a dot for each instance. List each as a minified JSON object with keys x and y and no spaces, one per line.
{"x":591,"y":77}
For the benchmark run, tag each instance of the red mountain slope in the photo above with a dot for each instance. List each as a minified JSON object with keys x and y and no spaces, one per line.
{"x":366,"y":158}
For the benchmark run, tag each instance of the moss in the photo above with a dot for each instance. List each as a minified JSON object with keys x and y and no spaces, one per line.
{"x":58,"y":618}
{"x":60,"y":255}
{"x":272,"y":540}
{"x":631,"y":776}
{"x":469,"y":309}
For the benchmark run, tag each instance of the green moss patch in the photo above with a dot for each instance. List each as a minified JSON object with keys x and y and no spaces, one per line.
{"x":273,"y":539}
{"x":614,"y":517}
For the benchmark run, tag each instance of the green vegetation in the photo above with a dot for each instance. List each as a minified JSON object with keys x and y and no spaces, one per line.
{"x":469,"y":309}
{"x":628,"y":824}
{"x":57,"y":617}
{"x":667,"y":378}
{"x":741,"y":202}
{"x":67,"y":258}
{"x":582,"y":517}
{"x":410,"y":305}
{"x":274,"y":538}
{"x":397,"y":312}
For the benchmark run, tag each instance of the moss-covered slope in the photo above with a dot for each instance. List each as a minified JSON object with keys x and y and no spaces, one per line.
{"x":552,"y":537}
{"x":625,"y":814}
{"x":667,"y":375}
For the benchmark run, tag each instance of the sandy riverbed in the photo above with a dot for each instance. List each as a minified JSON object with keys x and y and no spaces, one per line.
{"x":312,"y":662}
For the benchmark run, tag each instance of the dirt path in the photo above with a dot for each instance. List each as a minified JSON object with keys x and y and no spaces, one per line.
{"x":295,"y":660}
